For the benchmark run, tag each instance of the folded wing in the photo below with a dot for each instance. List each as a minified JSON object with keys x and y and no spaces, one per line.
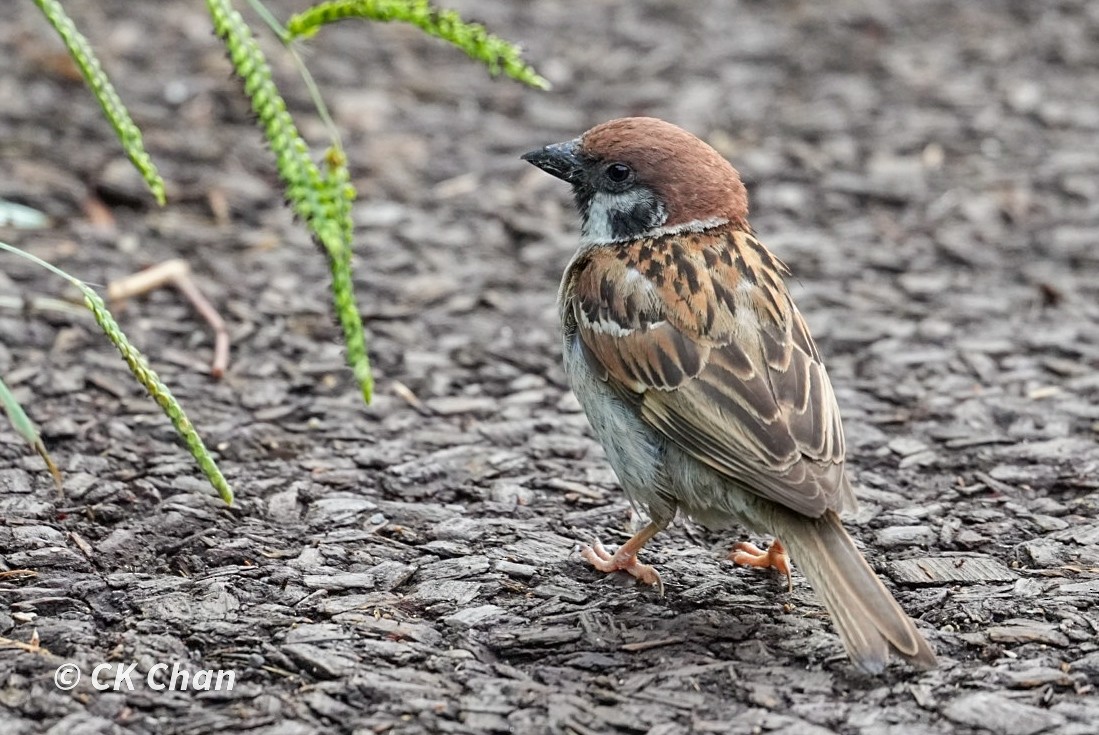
{"x":701,"y":334}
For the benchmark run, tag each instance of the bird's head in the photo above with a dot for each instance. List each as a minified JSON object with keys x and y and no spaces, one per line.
{"x":639,"y":176}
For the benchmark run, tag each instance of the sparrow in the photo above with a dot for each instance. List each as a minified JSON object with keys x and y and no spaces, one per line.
{"x":699,"y":376}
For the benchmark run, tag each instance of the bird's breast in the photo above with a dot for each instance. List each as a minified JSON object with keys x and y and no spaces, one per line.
{"x":633,"y":448}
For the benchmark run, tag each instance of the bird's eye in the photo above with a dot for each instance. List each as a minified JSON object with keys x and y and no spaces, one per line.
{"x":618,"y":173}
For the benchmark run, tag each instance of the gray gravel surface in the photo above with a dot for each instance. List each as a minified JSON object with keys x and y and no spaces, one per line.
{"x":929,"y":170}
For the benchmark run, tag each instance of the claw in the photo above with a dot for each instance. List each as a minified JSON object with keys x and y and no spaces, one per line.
{"x":627,"y":562}
{"x":774,"y":557}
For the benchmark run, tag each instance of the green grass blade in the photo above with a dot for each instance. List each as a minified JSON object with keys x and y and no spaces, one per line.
{"x":23,"y":424}
{"x":17,"y":416}
{"x":144,"y":374}
{"x":498,"y":55}
{"x":160,"y":392}
{"x":321,"y":198}
{"x":340,"y":194}
{"x":128,"y":133}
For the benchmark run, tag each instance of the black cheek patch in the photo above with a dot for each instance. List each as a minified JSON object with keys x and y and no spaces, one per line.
{"x":635,"y":221}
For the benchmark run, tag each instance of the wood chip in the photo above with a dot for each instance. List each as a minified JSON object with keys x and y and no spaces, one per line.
{"x":648,"y":645}
{"x":1029,"y":632}
{"x":996,"y":713}
{"x":950,"y":570}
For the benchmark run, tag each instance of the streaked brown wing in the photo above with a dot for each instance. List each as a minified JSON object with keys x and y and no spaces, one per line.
{"x":734,"y":380}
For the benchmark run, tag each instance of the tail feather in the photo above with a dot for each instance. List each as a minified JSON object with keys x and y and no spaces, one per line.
{"x":867,"y":618}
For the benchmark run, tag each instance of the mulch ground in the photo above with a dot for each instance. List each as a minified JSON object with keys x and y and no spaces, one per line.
{"x":928,"y":169}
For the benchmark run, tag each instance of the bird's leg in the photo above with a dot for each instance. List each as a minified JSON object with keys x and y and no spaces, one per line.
{"x":774,"y":557}
{"x":625,"y":559}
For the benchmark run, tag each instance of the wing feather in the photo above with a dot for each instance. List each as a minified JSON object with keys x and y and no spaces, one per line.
{"x":710,"y":347}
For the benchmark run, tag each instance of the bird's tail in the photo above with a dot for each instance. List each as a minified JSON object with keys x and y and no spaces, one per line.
{"x":865,"y":615}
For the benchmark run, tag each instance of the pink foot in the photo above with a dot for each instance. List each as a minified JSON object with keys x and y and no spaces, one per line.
{"x":627,"y":562}
{"x":774,"y":557}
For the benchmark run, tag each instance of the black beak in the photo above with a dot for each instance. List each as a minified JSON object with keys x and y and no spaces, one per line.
{"x":560,"y":159}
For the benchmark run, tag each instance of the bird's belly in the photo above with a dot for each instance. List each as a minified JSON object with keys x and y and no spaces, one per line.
{"x":634,"y":450}
{"x":712,"y":499}
{"x":655,"y":474}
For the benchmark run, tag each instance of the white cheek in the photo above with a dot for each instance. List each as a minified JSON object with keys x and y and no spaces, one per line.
{"x":597,"y":228}
{"x":603,"y":205}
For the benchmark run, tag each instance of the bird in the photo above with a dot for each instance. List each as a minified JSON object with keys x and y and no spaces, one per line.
{"x":699,"y":376}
